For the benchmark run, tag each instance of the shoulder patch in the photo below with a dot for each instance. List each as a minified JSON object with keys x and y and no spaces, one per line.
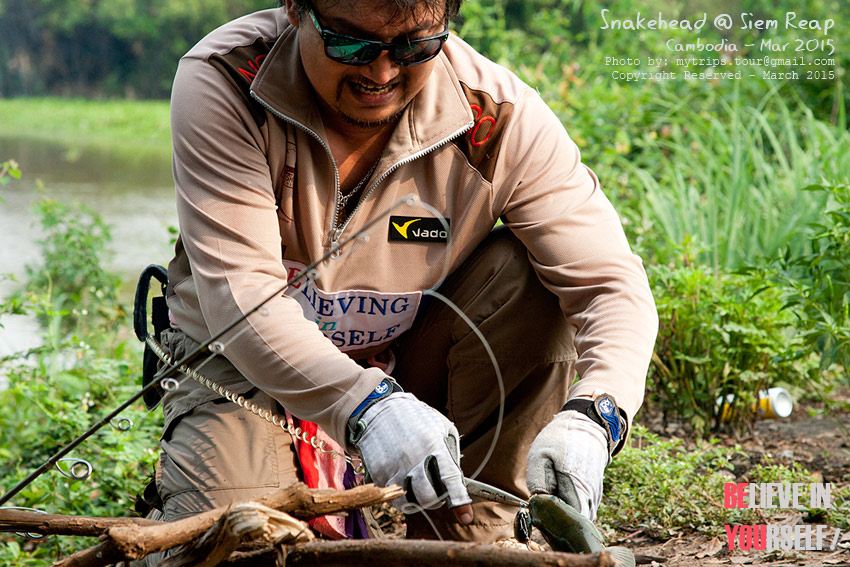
{"x":482,"y":143}
{"x":240,"y":65}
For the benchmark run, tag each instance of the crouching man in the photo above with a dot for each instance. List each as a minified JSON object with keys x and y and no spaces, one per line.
{"x":293,"y":129}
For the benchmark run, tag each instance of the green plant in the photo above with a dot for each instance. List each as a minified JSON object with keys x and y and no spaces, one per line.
{"x":730,"y":180}
{"x":53,"y":396}
{"x":70,"y":283}
{"x":818,"y":283}
{"x":57,"y":391}
{"x":9,"y":170}
{"x":720,"y":334}
{"x":839,"y":513}
{"x":657,"y":485}
{"x":136,"y":127}
{"x":663,"y":487}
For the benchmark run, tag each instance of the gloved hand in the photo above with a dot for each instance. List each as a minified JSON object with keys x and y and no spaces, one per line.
{"x":406,"y":442}
{"x":568,"y":459}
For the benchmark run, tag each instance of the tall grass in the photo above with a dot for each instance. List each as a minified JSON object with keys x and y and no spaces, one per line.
{"x":731,"y":181}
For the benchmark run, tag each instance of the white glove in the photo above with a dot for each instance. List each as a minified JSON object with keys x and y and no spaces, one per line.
{"x":568,"y":459}
{"x":408,"y":443}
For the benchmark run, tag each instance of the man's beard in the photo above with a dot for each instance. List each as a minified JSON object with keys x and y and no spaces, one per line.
{"x":367,"y":124}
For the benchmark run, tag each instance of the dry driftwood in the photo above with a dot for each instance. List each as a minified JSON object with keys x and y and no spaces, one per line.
{"x":296,"y":499}
{"x":210,"y":538}
{"x":244,"y":522}
{"x":58,"y":524}
{"x":133,"y":542}
{"x":411,"y":553}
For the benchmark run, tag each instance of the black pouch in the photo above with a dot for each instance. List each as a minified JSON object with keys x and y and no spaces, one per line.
{"x":159,"y":318}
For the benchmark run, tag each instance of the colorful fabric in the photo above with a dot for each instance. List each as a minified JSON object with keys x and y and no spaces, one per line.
{"x":321,"y":469}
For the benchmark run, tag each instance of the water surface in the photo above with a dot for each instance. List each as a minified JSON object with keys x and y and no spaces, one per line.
{"x":131,"y":190}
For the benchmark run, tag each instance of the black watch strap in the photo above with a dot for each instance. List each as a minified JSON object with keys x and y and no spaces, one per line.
{"x":604,"y":411}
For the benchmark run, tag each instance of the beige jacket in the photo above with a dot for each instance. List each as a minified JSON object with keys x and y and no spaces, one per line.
{"x":256,"y":198}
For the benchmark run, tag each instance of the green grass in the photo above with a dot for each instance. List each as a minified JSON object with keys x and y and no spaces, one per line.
{"x":115,"y":123}
{"x":732,"y":181}
{"x":664,"y":488}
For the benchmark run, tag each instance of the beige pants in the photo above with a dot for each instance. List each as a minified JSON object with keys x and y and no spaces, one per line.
{"x":217,"y":453}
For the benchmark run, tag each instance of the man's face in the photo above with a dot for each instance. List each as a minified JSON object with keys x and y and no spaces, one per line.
{"x":370,"y":95}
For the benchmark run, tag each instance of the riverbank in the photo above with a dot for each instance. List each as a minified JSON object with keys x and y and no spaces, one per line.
{"x":142,"y":125}
{"x":111,"y":156}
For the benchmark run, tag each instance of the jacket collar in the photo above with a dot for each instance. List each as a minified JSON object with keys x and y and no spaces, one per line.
{"x":438,"y":112}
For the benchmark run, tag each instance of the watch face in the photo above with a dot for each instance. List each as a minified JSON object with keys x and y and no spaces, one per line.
{"x":606,"y":406}
{"x":607,"y":410}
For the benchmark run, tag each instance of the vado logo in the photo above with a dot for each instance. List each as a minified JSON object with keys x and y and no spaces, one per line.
{"x":417,"y":229}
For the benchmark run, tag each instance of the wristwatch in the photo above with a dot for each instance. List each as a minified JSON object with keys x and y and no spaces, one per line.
{"x":355,"y":426}
{"x":603,"y":410}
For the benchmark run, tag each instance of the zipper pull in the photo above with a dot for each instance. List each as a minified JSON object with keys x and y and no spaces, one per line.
{"x":335,"y":241}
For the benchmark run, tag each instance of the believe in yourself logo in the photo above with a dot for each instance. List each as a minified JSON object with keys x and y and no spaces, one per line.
{"x":353,"y":319}
{"x":771,"y":537}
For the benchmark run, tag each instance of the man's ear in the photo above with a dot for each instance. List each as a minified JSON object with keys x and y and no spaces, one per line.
{"x":292,"y":13}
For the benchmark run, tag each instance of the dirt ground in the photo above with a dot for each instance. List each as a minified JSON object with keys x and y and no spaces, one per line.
{"x":812,"y":436}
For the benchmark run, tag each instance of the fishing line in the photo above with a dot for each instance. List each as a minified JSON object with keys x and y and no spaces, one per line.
{"x":498,"y":373}
{"x":219,"y":346}
{"x":142,"y":419}
{"x":253,"y":408}
{"x":414,"y":508}
{"x":447,"y":264}
{"x":432,"y":291}
{"x":411,"y":508}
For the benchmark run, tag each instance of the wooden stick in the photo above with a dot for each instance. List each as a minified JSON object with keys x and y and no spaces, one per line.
{"x":305,"y":503}
{"x":105,"y":553}
{"x":244,"y":522}
{"x":59,"y":524}
{"x":410,"y":553}
{"x":296,"y":499}
{"x":134,"y":542}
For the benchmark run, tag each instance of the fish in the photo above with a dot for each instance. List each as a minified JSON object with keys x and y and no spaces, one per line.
{"x":566,"y":529}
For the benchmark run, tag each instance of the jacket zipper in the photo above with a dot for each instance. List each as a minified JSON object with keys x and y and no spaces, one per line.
{"x":322,"y":143}
{"x":336,"y":231}
{"x":339,"y":230}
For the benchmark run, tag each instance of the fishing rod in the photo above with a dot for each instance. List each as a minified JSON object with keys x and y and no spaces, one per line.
{"x":210,"y":344}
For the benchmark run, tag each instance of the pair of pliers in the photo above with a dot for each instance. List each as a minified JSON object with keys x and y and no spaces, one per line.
{"x":484,"y":491}
{"x":563,"y":527}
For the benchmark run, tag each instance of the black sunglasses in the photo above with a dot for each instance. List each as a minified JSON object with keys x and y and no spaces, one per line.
{"x":352,"y":51}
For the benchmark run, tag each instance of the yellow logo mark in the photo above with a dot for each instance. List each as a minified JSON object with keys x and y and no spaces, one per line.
{"x":402,"y":230}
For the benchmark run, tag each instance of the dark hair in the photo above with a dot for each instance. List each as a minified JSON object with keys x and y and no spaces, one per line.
{"x":404,"y":8}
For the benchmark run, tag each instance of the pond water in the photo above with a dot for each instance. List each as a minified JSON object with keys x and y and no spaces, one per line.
{"x":131,"y":190}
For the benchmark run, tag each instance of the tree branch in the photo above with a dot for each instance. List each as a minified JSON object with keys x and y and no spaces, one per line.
{"x":244,"y":522}
{"x":409,"y":553}
{"x":134,"y":541}
{"x":59,"y":524}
